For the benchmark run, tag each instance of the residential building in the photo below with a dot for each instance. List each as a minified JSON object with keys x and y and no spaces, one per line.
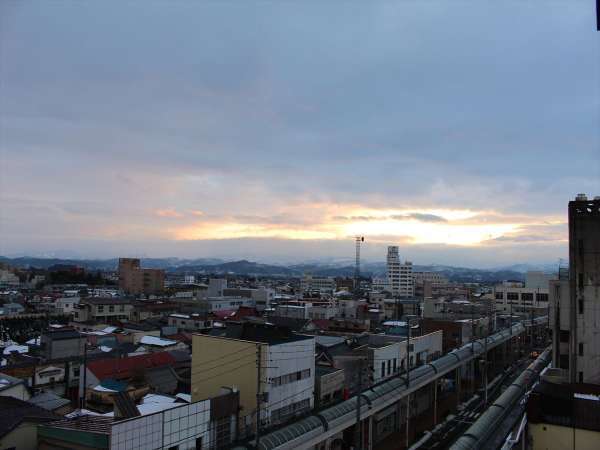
{"x":18,"y":421}
{"x":13,"y":387}
{"x":102,"y":310}
{"x":190,"y":322}
{"x":66,"y":305}
{"x":323,"y":285}
{"x":121,"y":369}
{"x":135,"y":281}
{"x":151,"y":344}
{"x":261,"y":361}
{"x":400,"y":275}
{"x":62,"y":343}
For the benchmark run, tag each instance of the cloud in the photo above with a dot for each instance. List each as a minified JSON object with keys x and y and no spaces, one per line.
{"x":420,"y":217}
{"x":100,"y":134}
{"x":526,"y":238}
{"x":169,"y":213}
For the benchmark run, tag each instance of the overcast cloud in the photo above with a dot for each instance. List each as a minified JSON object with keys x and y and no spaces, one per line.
{"x":276,"y":131}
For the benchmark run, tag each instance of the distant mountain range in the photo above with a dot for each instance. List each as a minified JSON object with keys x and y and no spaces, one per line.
{"x":244,"y":267}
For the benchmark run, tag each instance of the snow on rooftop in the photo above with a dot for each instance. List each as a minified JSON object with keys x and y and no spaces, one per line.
{"x":153,"y":340}
{"x":56,"y":325}
{"x":16,"y":348}
{"x":104,"y":348}
{"x":394,"y":323}
{"x":101,"y":388}
{"x":109,"y":329}
{"x":34,"y":341}
{"x":586,"y":396}
{"x":185,"y":397}
{"x":180,"y":316}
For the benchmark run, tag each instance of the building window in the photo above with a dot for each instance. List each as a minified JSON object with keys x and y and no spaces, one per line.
{"x":499,"y":295}
{"x":111,"y":308}
{"x":395,"y":365}
{"x":564,"y":336}
{"x":581,"y":377}
{"x":580,"y":303}
{"x":581,"y":349}
{"x":100,"y":308}
{"x":122,"y":308}
{"x":383,"y":369}
{"x":528,"y":296}
{"x":512,"y":295}
{"x":580,"y":280}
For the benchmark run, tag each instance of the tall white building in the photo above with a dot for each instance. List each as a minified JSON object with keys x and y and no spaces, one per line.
{"x":400,"y":275}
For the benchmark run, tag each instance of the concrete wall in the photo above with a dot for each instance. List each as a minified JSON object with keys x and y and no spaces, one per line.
{"x":553,"y":437}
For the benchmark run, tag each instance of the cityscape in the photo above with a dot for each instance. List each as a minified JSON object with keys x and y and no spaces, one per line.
{"x":314,"y":226}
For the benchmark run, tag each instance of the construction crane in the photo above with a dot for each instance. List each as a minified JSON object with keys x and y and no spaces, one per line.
{"x":359,"y":240}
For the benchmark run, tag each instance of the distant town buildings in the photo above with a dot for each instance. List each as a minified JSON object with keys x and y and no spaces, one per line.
{"x":323,"y":285}
{"x":134,"y":280}
{"x":400,"y":275}
{"x":524,"y":298}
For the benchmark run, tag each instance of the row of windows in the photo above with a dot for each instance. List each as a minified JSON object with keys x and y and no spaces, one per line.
{"x":111,"y":308}
{"x":526,"y":296}
{"x":290,"y":377}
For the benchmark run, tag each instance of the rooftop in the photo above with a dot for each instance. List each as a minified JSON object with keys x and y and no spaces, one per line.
{"x":13,"y":412}
{"x":267,"y":333}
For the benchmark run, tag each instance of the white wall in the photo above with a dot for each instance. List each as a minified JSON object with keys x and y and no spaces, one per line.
{"x":285,"y":359}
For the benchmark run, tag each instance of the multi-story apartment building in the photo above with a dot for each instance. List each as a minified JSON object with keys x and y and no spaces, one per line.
{"x":575,"y":298}
{"x":524,"y":298}
{"x":324,"y":285}
{"x":261,"y":361}
{"x":135,"y":281}
{"x":400,"y":275}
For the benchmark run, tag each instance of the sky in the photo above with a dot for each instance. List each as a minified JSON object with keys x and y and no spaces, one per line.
{"x":278,"y":131}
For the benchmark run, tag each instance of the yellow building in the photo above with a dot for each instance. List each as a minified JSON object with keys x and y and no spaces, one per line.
{"x":287,"y":370}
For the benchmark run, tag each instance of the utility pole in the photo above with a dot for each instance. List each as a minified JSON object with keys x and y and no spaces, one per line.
{"x":360,"y":388}
{"x":407,"y":379}
{"x":485,"y":364}
{"x":258,"y":389}
{"x":83,"y":395}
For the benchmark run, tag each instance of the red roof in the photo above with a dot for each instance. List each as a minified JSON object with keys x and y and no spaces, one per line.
{"x":245,"y":311}
{"x":225,"y":314}
{"x":119,"y":368}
